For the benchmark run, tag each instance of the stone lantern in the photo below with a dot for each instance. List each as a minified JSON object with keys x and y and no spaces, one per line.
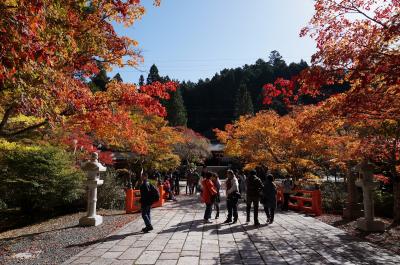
{"x":92,"y":169}
{"x":368,"y":223}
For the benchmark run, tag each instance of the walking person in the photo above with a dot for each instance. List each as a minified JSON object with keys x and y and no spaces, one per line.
{"x":287,"y":189}
{"x":208,"y":195}
{"x":148,"y":195}
{"x":232,"y":196}
{"x":217,"y":183}
{"x":254,"y":186}
{"x":269,"y":198}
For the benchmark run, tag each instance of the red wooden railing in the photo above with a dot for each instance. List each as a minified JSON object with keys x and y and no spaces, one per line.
{"x":132,"y":197}
{"x":314,"y":200}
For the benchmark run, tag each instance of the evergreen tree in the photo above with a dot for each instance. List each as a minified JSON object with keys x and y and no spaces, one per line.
{"x":153,"y":75}
{"x":99,"y":81}
{"x":141,"y":80}
{"x":243,"y":104}
{"x":118,"y":78}
{"x":176,"y":111}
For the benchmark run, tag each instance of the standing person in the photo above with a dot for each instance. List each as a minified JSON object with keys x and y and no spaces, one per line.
{"x":287,"y":189}
{"x":269,"y":198}
{"x":146,"y":200}
{"x":232,"y":196}
{"x":217,"y":184}
{"x":208,"y":195}
{"x":196,"y":183}
{"x":176,"y":181}
{"x":254,"y":187}
{"x":242,"y":184}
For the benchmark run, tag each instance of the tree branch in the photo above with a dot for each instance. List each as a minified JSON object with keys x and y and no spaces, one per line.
{"x":6,"y":116}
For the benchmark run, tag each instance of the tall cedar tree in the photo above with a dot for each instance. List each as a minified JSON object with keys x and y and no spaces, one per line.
{"x":118,"y":78}
{"x":244,"y":104}
{"x":153,"y":76}
{"x":176,"y":110}
{"x":141,"y":80}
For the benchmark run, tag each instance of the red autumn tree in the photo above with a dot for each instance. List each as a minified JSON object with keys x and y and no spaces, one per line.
{"x":48,"y":50}
{"x":358,"y":42}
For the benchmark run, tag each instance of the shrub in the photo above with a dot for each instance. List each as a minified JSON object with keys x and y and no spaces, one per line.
{"x":111,"y":194}
{"x":38,"y":177}
{"x":383,"y":203}
{"x":333,"y":196}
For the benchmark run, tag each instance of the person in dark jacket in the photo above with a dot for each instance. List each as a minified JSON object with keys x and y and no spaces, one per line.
{"x":177,"y":178}
{"x":146,"y":202}
{"x":254,"y":186}
{"x":269,"y":198}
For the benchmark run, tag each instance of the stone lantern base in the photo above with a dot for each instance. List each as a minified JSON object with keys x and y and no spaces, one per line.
{"x":370,"y":226}
{"x":91,"y":220}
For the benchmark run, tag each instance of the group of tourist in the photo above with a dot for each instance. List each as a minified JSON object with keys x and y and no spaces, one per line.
{"x":251,"y":189}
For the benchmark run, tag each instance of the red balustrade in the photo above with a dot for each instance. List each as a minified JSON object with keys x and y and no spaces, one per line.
{"x":313,"y":200}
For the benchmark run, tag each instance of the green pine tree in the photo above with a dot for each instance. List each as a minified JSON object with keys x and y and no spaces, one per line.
{"x":99,"y":81}
{"x":141,"y":80}
{"x":153,"y":75}
{"x":118,"y":78}
{"x":243,"y":104}
{"x":176,"y":110}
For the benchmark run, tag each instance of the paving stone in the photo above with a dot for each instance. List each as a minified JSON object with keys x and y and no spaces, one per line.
{"x":171,"y":255}
{"x":111,"y":255}
{"x":188,"y":260}
{"x":186,"y":253}
{"x":132,"y":253}
{"x":166,"y":262}
{"x":102,"y":261}
{"x":148,"y":257}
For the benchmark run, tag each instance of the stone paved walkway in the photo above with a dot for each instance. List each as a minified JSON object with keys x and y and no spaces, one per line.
{"x":181,"y":238}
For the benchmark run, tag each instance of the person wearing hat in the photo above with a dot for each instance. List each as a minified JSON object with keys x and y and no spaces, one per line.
{"x":254,"y":186}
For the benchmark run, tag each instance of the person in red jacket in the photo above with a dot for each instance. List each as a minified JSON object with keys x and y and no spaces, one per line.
{"x":208,"y":195}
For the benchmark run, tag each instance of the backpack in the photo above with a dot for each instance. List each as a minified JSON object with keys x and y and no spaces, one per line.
{"x":154,"y":193}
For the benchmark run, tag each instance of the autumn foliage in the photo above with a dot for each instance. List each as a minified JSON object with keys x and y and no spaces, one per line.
{"x":358,"y":43}
{"x":48,"y":50}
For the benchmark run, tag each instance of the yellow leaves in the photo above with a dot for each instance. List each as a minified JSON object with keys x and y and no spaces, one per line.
{"x":10,"y":146}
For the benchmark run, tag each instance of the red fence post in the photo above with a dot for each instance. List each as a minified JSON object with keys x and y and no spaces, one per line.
{"x":128,"y":200}
{"x":317,"y":202}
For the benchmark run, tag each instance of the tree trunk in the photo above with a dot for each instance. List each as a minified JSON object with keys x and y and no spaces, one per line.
{"x":352,"y":209}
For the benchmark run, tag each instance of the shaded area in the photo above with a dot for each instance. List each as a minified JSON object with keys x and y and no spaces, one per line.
{"x":390,"y":239}
{"x":58,"y":239}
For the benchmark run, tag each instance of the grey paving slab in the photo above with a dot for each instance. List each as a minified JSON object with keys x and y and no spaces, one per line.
{"x":181,"y":238}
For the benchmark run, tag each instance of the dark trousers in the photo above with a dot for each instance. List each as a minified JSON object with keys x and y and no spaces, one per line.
{"x":231,"y":204}
{"x":255,"y":203}
{"x":177,"y":189}
{"x":216,"y":205}
{"x":207,"y":213}
{"x":270,"y":212}
{"x":285,"y":205}
{"x":146,"y":215}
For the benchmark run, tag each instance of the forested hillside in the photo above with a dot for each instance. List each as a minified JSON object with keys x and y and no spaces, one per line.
{"x":213,"y":103}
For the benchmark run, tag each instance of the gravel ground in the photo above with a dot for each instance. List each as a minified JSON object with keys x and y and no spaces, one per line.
{"x":390,"y":239}
{"x":56,"y":240}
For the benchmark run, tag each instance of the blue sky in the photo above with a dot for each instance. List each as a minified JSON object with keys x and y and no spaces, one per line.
{"x":193,"y":39}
